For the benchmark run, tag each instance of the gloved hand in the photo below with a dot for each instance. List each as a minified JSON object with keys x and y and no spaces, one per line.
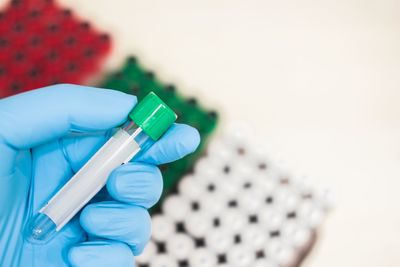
{"x":38,"y":155}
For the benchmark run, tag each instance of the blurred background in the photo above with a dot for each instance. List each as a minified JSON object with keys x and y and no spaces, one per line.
{"x":318,"y":81}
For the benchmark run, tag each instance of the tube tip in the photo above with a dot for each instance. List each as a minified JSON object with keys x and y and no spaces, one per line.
{"x":39,"y":229}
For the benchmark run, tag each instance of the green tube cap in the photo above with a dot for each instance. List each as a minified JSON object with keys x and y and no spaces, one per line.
{"x":153,"y":116}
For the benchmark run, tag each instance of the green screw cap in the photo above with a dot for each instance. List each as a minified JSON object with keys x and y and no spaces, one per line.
{"x":153,"y":116}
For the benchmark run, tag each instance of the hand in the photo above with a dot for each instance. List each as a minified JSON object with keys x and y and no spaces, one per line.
{"x":38,"y":155}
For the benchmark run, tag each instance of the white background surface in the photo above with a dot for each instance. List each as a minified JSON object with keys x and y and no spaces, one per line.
{"x":318,"y":80}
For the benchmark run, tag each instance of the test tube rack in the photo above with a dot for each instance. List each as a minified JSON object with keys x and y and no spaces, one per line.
{"x":132,"y":78}
{"x":236,"y":209}
{"x":42,"y":43}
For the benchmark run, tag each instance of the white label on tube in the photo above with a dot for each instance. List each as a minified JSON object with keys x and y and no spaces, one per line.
{"x":88,"y":181}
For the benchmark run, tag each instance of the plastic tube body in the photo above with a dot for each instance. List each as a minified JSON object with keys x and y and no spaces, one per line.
{"x":86,"y":183}
{"x":90,"y":178}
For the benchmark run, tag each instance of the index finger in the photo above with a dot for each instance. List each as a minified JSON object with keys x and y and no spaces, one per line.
{"x":38,"y":116}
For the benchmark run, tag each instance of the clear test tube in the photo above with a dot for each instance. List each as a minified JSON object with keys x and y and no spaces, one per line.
{"x":301,"y":237}
{"x":191,"y":188}
{"x":219,"y":151}
{"x":272,"y":218}
{"x":265,"y":263}
{"x":255,"y":236}
{"x":163,"y":227}
{"x":203,"y":257}
{"x":214,"y":205}
{"x":241,"y":256}
{"x":281,"y":253}
{"x":149,"y":119}
{"x":310,"y":214}
{"x":206,"y":168}
{"x":219,"y":240}
{"x":181,"y":246}
{"x":198,"y":224}
{"x":233,"y":220}
{"x":250,"y":202}
{"x":148,"y":253}
{"x":227,"y":188}
{"x":163,"y":260}
{"x":176,"y":207}
{"x":267,"y":184}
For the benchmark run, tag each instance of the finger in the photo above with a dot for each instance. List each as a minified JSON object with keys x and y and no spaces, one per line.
{"x":118,"y":221}
{"x":136,"y":183}
{"x":51,"y":171}
{"x":78,"y":150}
{"x":101,"y":253}
{"x":177,"y":142}
{"x":41,"y":115}
{"x":38,"y":116}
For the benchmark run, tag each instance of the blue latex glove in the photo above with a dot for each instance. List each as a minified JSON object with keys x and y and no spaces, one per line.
{"x":38,"y":155}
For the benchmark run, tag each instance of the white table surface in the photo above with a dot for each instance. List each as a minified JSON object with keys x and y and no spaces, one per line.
{"x":318,"y":80}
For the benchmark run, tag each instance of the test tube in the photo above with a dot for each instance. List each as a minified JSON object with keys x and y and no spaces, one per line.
{"x":163,"y":260}
{"x":148,"y":253}
{"x":163,"y":227}
{"x":213,"y":204}
{"x":241,"y":256}
{"x":255,"y":237}
{"x":180,"y":246}
{"x":198,"y":224}
{"x":219,"y":240}
{"x":190,"y":187}
{"x":233,"y":220}
{"x":283,"y":255}
{"x":146,"y":123}
{"x":176,"y":207}
{"x":203,"y":257}
{"x":265,"y":263}
{"x":218,"y":150}
{"x":238,"y":209}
